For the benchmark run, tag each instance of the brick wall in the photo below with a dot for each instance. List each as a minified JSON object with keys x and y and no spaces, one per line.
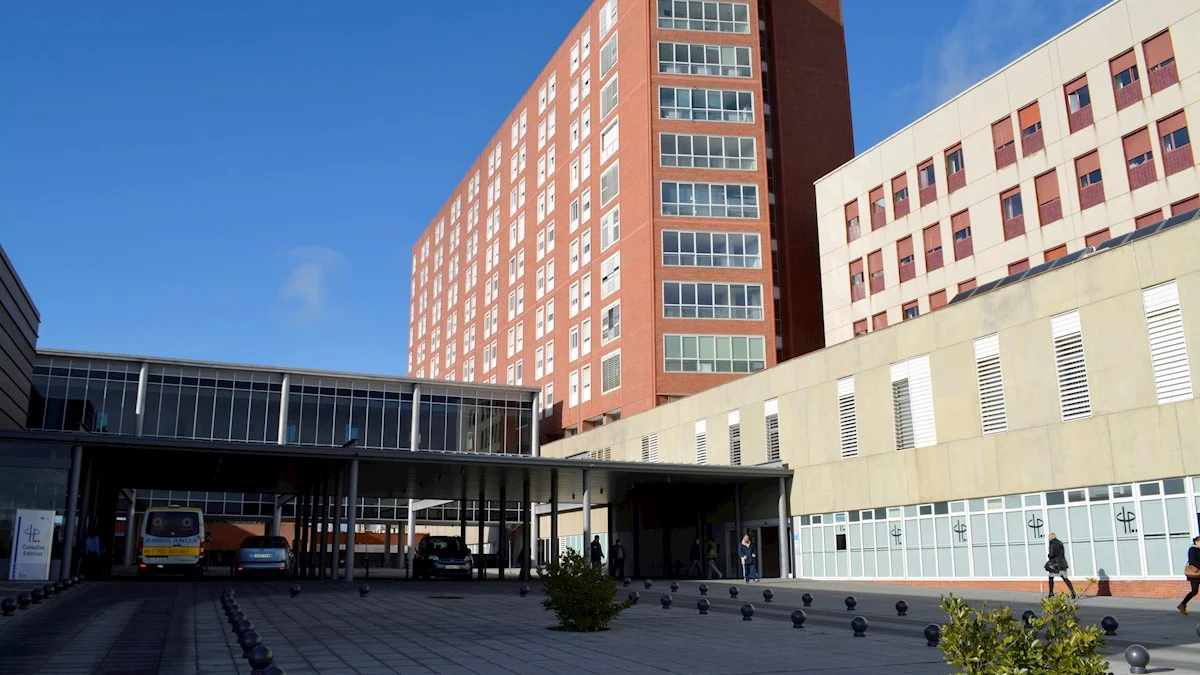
{"x":1174,"y":590}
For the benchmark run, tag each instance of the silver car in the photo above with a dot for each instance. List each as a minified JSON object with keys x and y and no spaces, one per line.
{"x":263,"y":555}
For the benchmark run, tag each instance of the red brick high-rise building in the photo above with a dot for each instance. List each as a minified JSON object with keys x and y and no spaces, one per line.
{"x":643,"y":225}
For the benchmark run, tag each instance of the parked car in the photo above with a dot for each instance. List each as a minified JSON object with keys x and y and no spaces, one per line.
{"x":438,"y":556}
{"x":263,"y":555}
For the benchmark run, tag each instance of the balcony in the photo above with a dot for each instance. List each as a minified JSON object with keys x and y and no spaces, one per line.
{"x":876,"y":283}
{"x":1128,"y":95}
{"x":1163,"y":77}
{"x":963,"y":248}
{"x":933,"y":260}
{"x":929,"y":194}
{"x":956,"y":180}
{"x":1005,"y":155}
{"x":901,"y":208}
{"x":1080,"y":119}
{"x":1050,"y":211}
{"x":1032,"y":143}
{"x":1014,"y":227}
{"x":1143,"y":174}
{"x":857,"y":292}
{"x":1091,"y":195}
{"x":878,"y":219}
{"x":1178,"y":160}
{"x":908,"y":271}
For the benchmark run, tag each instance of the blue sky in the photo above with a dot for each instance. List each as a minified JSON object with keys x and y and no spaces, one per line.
{"x":243,"y":181}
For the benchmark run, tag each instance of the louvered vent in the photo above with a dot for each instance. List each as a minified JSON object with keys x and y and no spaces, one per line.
{"x":1168,"y":348}
{"x":702,"y":442}
{"x":1073,"y":395}
{"x":771,"y":411}
{"x":992,"y":409}
{"x":847,"y":418}
{"x":735,"y":438}
{"x":650,"y":448}
{"x":912,"y":404}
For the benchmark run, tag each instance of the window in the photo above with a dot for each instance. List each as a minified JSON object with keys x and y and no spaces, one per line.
{"x":1160,"y":61}
{"x":709,"y":200}
{"x":585,"y":40}
{"x":550,"y":317}
{"x":610,"y":275}
{"x":610,"y":372}
{"x":1073,"y":395}
{"x":1030,"y":120}
{"x":735,"y":438}
{"x":549,"y":348}
{"x":1139,"y":159}
{"x":585,"y":288}
{"x":1126,"y":85}
{"x":585,"y":82}
{"x":900,"y":195}
{"x":573,"y":389}
{"x":1168,"y":348}
{"x":707,"y":300}
{"x":610,"y":228}
{"x":956,"y":176}
{"x":585,"y":378}
{"x":610,"y":323}
{"x":932,"y":237}
{"x":610,"y":140}
{"x":1049,"y":205}
{"x":701,"y":151}
{"x":574,"y":56}
{"x":1091,"y":189}
{"x":1002,"y":140}
{"x":711,"y":249}
{"x":937,"y":300}
{"x":1079,"y":104}
{"x":1148,"y":219}
{"x":608,"y":98}
{"x":680,"y":58}
{"x":910,"y":310}
{"x":608,"y":17}
{"x":1013,"y":213}
{"x":858,"y":289}
{"x":908,"y":262}
{"x":608,"y":56}
{"x":1055,"y":253}
{"x":875,"y":269}
{"x":719,"y":17}
{"x":573,"y":300}
{"x":964,"y":286}
{"x":879,"y":321}
{"x":548,"y":400}
{"x":585,"y":205}
{"x":847,"y":418}
{"x":1176,"y":143}
{"x":771,"y":424}
{"x":702,"y":442}
{"x":585,"y":246}
{"x":992,"y":410}
{"x":714,"y":353}
{"x":1019,"y":266}
{"x":573,"y":262}
{"x":610,"y":184}
{"x":878,"y":210}
{"x":927,"y":182}
{"x":711,"y":105}
{"x":1185,"y":205}
{"x":853,"y":231}
{"x":650,"y":448}
{"x":912,"y":404}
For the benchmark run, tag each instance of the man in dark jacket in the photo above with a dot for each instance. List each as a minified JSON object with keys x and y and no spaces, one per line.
{"x":695,"y":560}
{"x":1056,"y":564}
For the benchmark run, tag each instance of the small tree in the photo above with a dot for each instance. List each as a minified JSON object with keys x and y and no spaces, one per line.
{"x":580,"y":595}
{"x":995,"y":642}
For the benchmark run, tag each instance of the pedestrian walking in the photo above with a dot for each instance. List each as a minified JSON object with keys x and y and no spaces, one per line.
{"x":1056,"y":564}
{"x":748,"y":552}
{"x":695,"y":560}
{"x":712,"y":560}
{"x":617,"y":559}
{"x":1192,"y":572}
{"x":597,"y":552}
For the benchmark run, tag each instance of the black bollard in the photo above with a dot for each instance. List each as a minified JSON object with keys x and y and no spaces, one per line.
{"x":807,"y":599}
{"x":647,"y":583}
{"x":294,"y":591}
{"x":274,"y":670}
{"x":703,"y":589}
{"x":8,"y":606}
{"x":1138,"y":657}
{"x":248,"y":642}
{"x":242,"y":627}
{"x":666,"y":600}
{"x":633,"y":597}
{"x":59,"y":587}
{"x":236,"y":617}
{"x":733,"y":592}
{"x":523,"y":590}
{"x":260,"y":659}
{"x":798,"y":618}
{"x":851,"y":603}
{"x":228,"y":590}
{"x":627,"y":581}
{"x":1110,"y":625}
{"x":1027,"y":616}
{"x":859,"y":625}
{"x":38,"y":595}
{"x":23,"y":600}
{"x":747,"y":612}
{"x":674,"y":586}
{"x":702,"y":604}
{"x":363,"y":589}
{"x":768,"y":594}
{"x":1198,"y":630}
{"x":901,"y":608}
{"x":933,"y":634}
{"x":48,"y":589}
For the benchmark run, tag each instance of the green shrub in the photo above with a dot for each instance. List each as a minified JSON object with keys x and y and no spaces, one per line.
{"x":995,"y":642}
{"x":580,"y":595}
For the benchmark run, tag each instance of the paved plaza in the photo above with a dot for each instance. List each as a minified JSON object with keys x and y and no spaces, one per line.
{"x":465,"y":628}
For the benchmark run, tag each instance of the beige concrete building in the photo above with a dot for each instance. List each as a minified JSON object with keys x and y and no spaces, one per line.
{"x":1084,"y":138}
{"x":947,"y":447}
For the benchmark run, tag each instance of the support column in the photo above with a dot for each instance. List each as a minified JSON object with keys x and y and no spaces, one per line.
{"x":130,"y":530}
{"x":336,"y":565}
{"x":284,"y":389}
{"x":462,"y":511}
{"x":587,"y":514}
{"x":410,"y":546}
{"x":277,"y":517}
{"x":481,"y":513}
{"x":297,"y":518}
{"x":139,"y":407}
{"x":302,"y":525}
{"x":528,"y":544}
{"x":68,"y":551}
{"x":323,"y":527}
{"x":535,"y":550}
{"x":553,"y":548}
{"x":637,"y":532}
{"x":737,"y":510}
{"x":502,"y":538}
{"x":785,"y":543}
{"x":351,"y":517}
{"x":387,"y":544}
{"x":534,"y":431}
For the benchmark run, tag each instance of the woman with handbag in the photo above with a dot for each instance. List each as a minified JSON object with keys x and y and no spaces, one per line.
{"x":1056,"y":564}
{"x":1192,"y":572}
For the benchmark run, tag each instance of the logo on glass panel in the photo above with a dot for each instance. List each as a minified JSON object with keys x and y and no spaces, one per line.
{"x":1126,"y":518}
{"x":1035,"y":523}
{"x":960,"y":528}
{"x":896,"y":532}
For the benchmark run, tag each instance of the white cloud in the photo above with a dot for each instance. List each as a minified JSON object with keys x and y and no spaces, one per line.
{"x":307,"y":287}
